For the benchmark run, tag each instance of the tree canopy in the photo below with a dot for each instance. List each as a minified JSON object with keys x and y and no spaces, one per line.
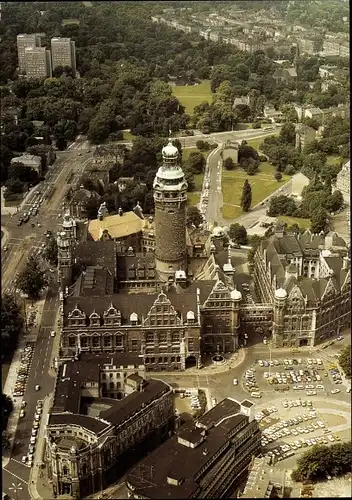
{"x":32,"y":280}
{"x":11,"y":323}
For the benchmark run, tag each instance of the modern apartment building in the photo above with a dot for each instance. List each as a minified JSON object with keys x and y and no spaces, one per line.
{"x":205,"y":459}
{"x":24,"y":41}
{"x":37,"y":62}
{"x":63,"y":53}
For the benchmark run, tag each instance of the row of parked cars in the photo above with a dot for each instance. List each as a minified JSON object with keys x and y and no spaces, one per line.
{"x":28,"y":459}
{"x":23,"y":370}
{"x":251,"y":384}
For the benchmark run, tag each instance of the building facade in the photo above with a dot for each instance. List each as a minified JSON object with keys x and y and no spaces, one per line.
{"x":205,"y":459}
{"x":306,"y":278}
{"x":343,"y":182}
{"x":86,"y":453}
{"x":29,"y":161}
{"x":37,"y":62}
{"x":63,"y":53}
{"x":24,"y":41}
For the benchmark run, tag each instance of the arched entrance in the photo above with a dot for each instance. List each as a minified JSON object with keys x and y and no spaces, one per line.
{"x":191,"y":362}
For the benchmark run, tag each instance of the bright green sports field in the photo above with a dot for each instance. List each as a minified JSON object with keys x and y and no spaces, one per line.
{"x":193,"y":95}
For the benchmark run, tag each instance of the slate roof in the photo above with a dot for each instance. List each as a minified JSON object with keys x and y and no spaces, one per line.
{"x":95,"y":280}
{"x":96,"y":253}
{"x":182,"y":463}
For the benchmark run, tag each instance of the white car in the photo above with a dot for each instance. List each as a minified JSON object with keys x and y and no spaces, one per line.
{"x":34,"y":432}
{"x":33,"y":439}
{"x":335,"y":391}
{"x":37,"y":417}
{"x":22,"y":413}
{"x":37,"y":387}
{"x":235,"y":381}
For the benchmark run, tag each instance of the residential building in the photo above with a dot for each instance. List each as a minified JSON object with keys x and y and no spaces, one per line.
{"x":336,"y":47}
{"x":307,"y":279}
{"x":63,"y":53}
{"x":326,"y":84}
{"x":243,"y":100}
{"x":205,"y":459}
{"x":24,"y":41}
{"x":31,"y":161}
{"x":326,"y":72}
{"x":314,"y":113}
{"x":37,"y":62}
{"x":105,"y":416}
{"x":304,"y":135}
{"x":343,"y":182}
{"x":77,"y":200}
{"x":272,"y":114}
{"x":287,"y":75}
{"x":310,"y":46}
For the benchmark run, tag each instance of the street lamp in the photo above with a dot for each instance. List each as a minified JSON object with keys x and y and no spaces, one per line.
{"x":16,"y":488}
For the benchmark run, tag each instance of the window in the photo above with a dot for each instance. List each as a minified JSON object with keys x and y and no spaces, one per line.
{"x":175,"y":337}
{"x":103,"y":376}
{"x":65,"y":470}
{"x":134,"y":345}
{"x":107,"y":341}
{"x":111,"y":385}
{"x":150,"y":338}
{"x":119,"y":341}
{"x":72,"y":342}
{"x":163,"y":337}
{"x":96,"y":341}
{"x":84,"y":341}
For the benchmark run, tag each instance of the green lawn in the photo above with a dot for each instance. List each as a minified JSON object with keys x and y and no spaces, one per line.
{"x":192,"y":95}
{"x":263,"y":184}
{"x":255,"y":143}
{"x":302,"y":223}
{"x":333,"y":159}
{"x":193,"y":198}
{"x":127,"y":137}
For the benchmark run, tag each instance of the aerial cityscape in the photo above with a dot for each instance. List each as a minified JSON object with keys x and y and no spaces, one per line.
{"x":175,"y":249}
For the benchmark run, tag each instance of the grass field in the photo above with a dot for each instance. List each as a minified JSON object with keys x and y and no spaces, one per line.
{"x":263,"y":184}
{"x":333,"y":159}
{"x":127,"y":137}
{"x":192,"y":95}
{"x":255,"y":143}
{"x":302,"y":223}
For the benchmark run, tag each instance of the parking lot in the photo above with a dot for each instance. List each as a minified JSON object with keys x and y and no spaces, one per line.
{"x":23,"y":371}
{"x":29,"y":457}
{"x":309,"y":376}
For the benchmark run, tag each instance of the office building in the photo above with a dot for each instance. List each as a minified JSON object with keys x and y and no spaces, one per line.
{"x":205,"y":459}
{"x":63,"y":53}
{"x":24,"y":41}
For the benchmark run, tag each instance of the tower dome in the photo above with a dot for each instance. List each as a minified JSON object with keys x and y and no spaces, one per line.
{"x":280,"y":293}
{"x":236,"y":294}
{"x":170,"y":151}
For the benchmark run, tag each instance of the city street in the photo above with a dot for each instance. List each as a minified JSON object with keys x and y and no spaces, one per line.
{"x":40,"y":374}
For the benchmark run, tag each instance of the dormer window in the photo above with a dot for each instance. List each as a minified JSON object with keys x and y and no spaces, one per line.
{"x":134,"y":319}
{"x":94,"y":319}
{"x":191,"y":317}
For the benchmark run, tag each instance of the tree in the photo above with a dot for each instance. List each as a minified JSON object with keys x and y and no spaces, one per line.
{"x":238,"y":233}
{"x":282,"y":205}
{"x":6,"y":440}
{"x":51,"y":250}
{"x":202,"y":145}
{"x":11,"y":323}
{"x":246,"y":199}
{"x":194,"y":216}
{"x":195,"y":163}
{"x":278,"y":176}
{"x":6,"y":408}
{"x":345,"y":360}
{"x":288,"y":134}
{"x":32,"y":280}
{"x":318,"y":220}
{"x":335,"y":201}
{"x":321,"y":460}
{"x":229,"y":164}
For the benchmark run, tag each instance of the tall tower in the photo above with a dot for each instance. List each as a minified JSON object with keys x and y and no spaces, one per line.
{"x":65,"y":259}
{"x":170,"y":199}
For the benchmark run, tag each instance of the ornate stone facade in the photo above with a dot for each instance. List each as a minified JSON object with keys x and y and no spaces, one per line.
{"x":86,"y":453}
